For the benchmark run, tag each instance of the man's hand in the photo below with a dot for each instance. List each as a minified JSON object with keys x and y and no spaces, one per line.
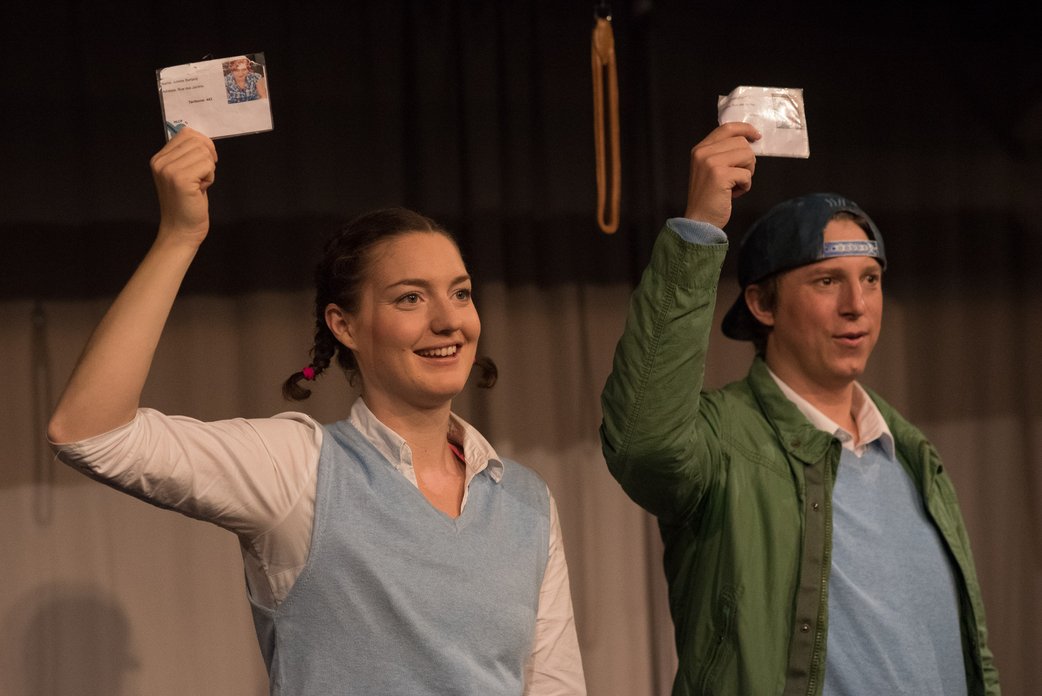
{"x":722,"y":167}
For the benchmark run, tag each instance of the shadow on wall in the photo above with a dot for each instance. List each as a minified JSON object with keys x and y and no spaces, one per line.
{"x":74,"y":640}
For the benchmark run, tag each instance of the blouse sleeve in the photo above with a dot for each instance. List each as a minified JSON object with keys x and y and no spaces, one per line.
{"x":555,"y":665}
{"x":244,"y":475}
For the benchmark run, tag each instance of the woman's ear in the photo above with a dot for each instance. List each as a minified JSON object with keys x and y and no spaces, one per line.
{"x":754,"y":300}
{"x":341,"y":324}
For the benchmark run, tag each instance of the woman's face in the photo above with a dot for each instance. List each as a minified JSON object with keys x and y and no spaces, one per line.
{"x":415,"y":331}
{"x":240,"y":68}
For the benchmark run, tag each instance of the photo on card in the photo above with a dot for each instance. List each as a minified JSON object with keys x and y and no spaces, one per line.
{"x":219,"y":98}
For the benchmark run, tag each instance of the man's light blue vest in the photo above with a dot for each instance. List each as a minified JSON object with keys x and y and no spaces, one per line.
{"x":398,"y":598}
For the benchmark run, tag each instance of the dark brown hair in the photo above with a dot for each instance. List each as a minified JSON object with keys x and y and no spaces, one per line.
{"x":339,"y":277}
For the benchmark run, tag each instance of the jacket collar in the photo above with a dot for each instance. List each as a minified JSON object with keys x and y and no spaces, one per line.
{"x":806,"y":443}
{"x":910,"y":443}
{"x":796,"y":434}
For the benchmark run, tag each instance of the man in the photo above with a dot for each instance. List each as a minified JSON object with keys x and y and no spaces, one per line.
{"x":813,"y":542}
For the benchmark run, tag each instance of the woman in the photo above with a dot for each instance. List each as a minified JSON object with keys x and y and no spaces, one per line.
{"x":242,"y":83}
{"x":393,"y":552}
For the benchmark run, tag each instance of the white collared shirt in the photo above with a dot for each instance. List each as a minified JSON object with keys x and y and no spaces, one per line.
{"x":478,"y":454}
{"x":870,"y":423}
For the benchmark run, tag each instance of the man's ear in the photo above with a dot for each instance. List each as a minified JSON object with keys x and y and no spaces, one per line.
{"x":341,"y":324}
{"x":754,"y":300}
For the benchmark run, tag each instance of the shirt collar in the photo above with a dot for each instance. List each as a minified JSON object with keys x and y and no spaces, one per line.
{"x":478,"y":454}
{"x":869,"y":420}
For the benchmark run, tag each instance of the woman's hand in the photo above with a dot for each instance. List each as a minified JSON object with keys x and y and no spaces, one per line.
{"x":183,"y":171}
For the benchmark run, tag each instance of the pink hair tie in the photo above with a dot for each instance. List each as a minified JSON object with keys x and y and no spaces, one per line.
{"x":308,"y":372}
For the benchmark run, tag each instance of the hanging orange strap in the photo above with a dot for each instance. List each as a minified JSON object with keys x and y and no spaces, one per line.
{"x":606,"y":124}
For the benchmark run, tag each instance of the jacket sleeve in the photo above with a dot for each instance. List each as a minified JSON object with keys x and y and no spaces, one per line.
{"x":953,"y":529}
{"x":955,"y":532}
{"x":655,"y":442}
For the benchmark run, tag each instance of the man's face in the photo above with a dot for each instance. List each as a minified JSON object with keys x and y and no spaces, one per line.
{"x":827,"y":318}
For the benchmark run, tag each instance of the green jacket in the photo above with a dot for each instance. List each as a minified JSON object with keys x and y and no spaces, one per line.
{"x":741,"y":483}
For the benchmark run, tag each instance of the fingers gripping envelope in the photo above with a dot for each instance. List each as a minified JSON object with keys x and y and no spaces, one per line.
{"x":777,"y":112}
{"x":219,"y":98}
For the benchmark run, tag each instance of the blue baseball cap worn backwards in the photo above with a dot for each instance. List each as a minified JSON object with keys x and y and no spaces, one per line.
{"x":789,"y":235}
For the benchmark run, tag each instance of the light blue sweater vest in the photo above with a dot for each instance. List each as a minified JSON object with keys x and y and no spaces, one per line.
{"x":893,"y":601}
{"x":398,"y":598}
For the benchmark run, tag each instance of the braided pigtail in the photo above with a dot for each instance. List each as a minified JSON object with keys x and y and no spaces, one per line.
{"x":489,"y":373}
{"x":326,"y":346}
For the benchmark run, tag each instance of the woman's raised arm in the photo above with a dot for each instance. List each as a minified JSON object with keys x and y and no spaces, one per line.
{"x":105,"y":387}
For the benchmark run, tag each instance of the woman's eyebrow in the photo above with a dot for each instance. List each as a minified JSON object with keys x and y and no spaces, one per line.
{"x":425,"y":283}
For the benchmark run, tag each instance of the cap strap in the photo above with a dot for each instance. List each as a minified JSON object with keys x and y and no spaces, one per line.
{"x":850,"y":248}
